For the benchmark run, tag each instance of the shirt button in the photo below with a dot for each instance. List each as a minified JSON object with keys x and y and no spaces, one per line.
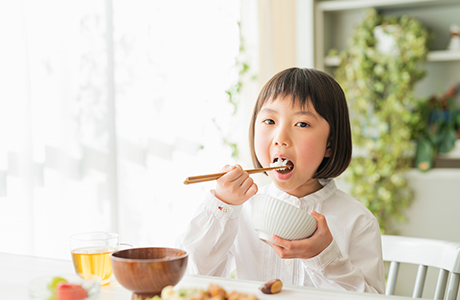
{"x":287,"y":262}
{"x":295,"y":201}
{"x":225,"y":210}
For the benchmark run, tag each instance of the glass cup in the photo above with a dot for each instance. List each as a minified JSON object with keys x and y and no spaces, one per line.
{"x":91,"y":253}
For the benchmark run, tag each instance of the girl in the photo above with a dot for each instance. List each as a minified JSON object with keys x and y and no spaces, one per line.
{"x":301,"y":116}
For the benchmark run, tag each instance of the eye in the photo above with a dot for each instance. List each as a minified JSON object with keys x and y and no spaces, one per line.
{"x":269,"y":121}
{"x":302,"y":124}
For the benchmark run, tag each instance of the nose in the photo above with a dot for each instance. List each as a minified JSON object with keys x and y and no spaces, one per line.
{"x":282,"y":139}
{"x":284,"y":144}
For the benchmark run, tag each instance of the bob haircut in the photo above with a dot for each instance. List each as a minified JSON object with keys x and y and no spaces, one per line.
{"x":310,"y":86}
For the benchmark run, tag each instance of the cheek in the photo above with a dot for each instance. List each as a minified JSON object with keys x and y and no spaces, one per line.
{"x":261,"y":147}
{"x":313,"y":151}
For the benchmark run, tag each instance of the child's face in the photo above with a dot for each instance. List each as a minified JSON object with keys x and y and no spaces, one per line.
{"x":286,"y":131}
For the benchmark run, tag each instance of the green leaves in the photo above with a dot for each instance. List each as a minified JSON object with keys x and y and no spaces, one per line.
{"x":424,"y":154}
{"x":380,"y":90}
{"x":437,"y":131}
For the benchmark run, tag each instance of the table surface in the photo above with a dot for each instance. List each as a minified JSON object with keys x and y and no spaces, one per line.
{"x":16,"y":272}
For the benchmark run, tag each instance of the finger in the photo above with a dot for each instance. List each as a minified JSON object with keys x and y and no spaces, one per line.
{"x":322,"y":233}
{"x":227,"y":168}
{"x":320,"y":219}
{"x":232,"y":173}
{"x":245,"y":181}
{"x":275,"y":247}
{"x":253,"y":189}
{"x":280,"y":251}
{"x":281,"y":242}
{"x":237,"y":175}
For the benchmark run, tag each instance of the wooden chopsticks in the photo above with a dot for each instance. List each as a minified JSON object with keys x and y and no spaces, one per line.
{"x":209,"y":177}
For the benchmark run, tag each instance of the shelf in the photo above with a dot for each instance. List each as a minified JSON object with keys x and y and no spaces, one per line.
{"x":443,"y":55}
{"x":433,"y":56}
{"x":357,"y":4}
{"x":454,"y":154}
{"x":442,"y":174}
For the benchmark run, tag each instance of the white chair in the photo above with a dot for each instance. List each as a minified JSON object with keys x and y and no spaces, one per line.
{"x":425,"y":253}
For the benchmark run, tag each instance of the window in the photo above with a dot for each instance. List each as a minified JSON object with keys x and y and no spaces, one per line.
{"x":105,"y":108}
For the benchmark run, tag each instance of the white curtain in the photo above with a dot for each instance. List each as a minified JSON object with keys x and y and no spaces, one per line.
{"x":105,"y":108}
{"x":277,"y":34}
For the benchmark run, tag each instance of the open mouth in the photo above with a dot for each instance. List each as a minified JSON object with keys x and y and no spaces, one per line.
{"x":281,"y":161}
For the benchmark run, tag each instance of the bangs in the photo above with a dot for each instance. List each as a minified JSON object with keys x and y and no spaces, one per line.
{"x":293,"y":83}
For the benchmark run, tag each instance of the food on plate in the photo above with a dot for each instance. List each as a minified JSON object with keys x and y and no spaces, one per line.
{"x":272,"y":286}
{"x":70,"y":291}
{"x":64,"y":287}
{"x":54,"y":282}
{"x":214,"y":292}
{"x":168,"y":293}
{"x":241,"y":296}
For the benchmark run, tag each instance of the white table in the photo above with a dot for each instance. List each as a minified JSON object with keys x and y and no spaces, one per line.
{"x":16,"y":271}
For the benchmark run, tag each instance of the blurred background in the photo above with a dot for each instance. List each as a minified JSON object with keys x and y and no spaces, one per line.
{"x":106,"y":106}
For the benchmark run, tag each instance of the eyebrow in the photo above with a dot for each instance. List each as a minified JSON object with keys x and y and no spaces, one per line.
{"x":300,"y":112}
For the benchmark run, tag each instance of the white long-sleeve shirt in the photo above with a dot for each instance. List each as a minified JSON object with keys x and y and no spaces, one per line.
{"x":221,"y":237}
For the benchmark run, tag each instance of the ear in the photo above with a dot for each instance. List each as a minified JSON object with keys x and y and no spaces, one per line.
{"x":328,"y":151}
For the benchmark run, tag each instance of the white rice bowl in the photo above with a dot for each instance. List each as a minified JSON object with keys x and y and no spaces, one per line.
{"x":274,"y":216}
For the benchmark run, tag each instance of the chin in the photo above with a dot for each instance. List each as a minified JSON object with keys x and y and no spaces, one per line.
{"x":283,"y":185}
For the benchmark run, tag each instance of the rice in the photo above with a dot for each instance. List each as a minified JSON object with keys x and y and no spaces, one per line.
{"x":280,"y":162}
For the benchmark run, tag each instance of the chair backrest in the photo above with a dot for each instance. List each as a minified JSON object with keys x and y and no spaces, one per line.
{"x":425,"y":253}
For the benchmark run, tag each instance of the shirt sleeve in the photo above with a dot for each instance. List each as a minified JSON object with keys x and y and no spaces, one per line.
{"x":210,"y":236}
{"x":360,"y":269}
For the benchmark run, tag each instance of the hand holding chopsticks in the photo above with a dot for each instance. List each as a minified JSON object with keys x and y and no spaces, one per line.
{"x":215,"y":176}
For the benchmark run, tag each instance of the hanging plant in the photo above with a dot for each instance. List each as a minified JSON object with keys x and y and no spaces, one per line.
{"x":439,"y":128}
{"x":378,"y":71}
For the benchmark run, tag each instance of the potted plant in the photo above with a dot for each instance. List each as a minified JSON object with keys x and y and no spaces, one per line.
{"x":378,"y":80}
{"x":439,"y":129}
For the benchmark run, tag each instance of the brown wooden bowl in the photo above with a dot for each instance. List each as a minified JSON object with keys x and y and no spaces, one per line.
{"x":146,"y":271}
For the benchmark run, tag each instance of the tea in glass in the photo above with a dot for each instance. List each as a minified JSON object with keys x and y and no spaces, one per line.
{"x":91,"y":254}
{"x":93,"y":260}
